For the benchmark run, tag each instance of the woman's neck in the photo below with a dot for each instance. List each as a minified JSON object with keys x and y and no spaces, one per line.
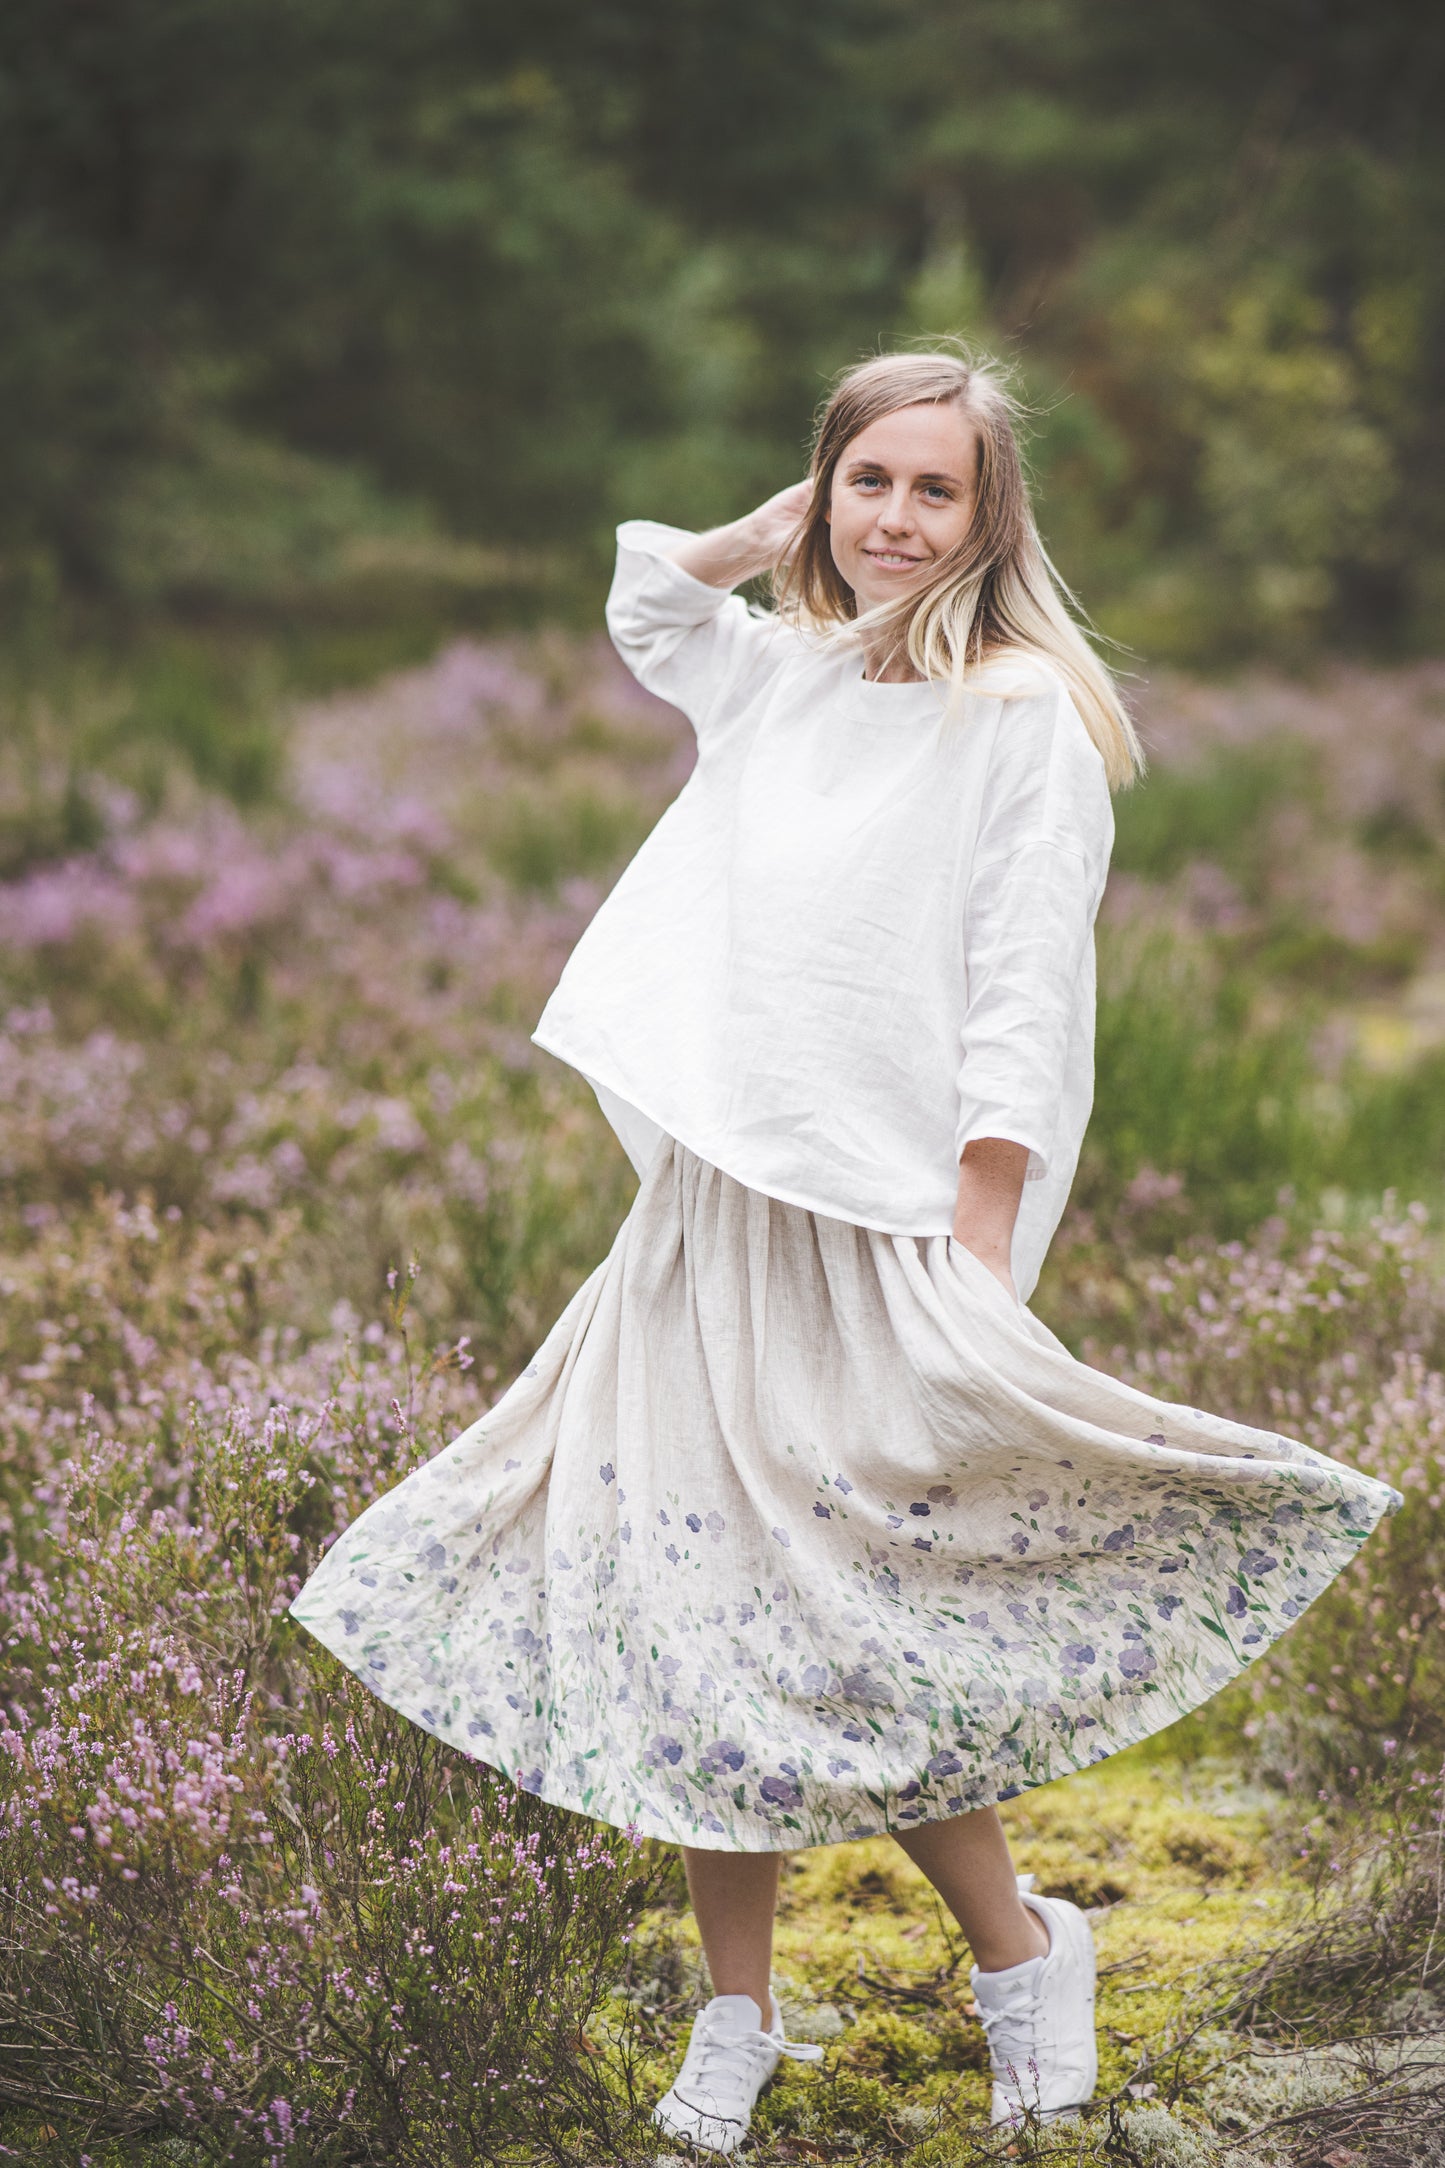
{"x":888,"y":664}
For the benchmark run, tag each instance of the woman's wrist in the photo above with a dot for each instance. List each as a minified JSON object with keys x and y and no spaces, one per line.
{"x":726,"y":556}
{"x":990,"y":1184}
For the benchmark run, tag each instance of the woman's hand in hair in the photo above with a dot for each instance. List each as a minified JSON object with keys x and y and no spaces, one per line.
{"x":726,"y":556}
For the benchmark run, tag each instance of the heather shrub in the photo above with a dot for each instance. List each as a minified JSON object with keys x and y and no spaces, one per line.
{"x":256,"y":1056}
{"x":1339,"y":1341}
{"x":240,"y":1900}
{"x":293,"y":1947}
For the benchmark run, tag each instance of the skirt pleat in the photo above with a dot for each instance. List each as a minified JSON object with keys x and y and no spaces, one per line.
{"x":794,"y":1531}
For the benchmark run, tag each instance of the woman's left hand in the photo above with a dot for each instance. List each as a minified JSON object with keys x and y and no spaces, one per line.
{"x":990,"y":1183}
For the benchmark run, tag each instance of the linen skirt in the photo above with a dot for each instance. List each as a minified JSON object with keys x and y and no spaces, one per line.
{"x":794,"y":1532}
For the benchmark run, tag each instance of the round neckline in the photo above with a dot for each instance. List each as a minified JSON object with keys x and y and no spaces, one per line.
{"x":905,"y":696}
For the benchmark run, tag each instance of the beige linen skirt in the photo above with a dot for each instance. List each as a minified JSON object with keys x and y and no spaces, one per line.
{"x":794,"y":1531}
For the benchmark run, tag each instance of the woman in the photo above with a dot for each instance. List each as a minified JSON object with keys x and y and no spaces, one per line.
{"x":800,"y":1527}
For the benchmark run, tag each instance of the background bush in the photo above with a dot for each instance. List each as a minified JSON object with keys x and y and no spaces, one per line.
{"x":317,"y":312}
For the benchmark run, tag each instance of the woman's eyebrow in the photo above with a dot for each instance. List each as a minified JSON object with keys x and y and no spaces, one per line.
{"x":875,"y":466}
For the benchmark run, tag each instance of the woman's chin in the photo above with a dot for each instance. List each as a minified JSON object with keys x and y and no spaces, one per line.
{"x":884,"y":586}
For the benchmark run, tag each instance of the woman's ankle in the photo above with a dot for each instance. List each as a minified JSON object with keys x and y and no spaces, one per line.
{"x":1032,"y":1939}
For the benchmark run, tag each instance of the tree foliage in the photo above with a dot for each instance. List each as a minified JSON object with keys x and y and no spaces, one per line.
{"x":276,"y":274}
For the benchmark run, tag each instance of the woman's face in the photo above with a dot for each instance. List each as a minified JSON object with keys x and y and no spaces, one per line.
{"x":903,"y":495}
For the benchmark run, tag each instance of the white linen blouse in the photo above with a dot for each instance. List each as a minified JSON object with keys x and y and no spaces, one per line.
{"x":862,"y":934}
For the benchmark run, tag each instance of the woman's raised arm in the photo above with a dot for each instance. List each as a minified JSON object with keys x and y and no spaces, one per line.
{"x":726,"y":556}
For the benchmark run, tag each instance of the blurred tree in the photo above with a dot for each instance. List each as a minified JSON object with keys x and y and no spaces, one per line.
{"x":278,"y":273}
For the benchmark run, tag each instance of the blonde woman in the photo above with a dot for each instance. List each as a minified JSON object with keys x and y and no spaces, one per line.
{"x":800,"y":1527}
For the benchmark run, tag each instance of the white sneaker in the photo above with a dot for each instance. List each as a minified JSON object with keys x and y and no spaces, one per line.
{"x":1038,"y":2018}
{"x":728,"y":2062}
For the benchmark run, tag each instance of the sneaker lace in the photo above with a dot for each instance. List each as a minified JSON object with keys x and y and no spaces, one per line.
{"x":1009,"y":2030}
{"x":711,"y":2056}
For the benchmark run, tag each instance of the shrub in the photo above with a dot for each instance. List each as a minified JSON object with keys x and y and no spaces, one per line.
{"x":240,"y":1900}
{"x":331,"y":1947}
{"x":1339,"y":1342}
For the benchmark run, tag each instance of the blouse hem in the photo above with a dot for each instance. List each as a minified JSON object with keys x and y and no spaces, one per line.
{"x":594,"y":1071}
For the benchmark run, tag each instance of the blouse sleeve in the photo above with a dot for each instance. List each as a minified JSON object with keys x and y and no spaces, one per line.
{"x":688,"y":642}
{"x":1038,"y":875}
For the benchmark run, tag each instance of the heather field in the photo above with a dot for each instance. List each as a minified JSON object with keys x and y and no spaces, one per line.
{"x":288,"y":1197}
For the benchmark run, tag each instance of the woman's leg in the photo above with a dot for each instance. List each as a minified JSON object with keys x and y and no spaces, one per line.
{"x":734,"y":1896}
{"x":967,"y":1861}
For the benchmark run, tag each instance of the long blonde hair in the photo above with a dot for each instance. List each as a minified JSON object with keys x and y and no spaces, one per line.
{"x":997,"y":592}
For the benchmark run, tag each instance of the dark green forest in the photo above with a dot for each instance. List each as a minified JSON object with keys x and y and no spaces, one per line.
{"x":313,"y":308}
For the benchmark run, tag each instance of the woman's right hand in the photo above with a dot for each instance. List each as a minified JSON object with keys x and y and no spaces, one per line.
{"x":726,"y":556}
{"x":777,"y":518}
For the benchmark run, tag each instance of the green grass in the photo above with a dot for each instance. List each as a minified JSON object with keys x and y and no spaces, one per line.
{"x":1217,"y":809}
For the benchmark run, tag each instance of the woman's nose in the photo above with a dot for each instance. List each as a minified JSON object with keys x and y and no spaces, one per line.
{"x":896,"y":515}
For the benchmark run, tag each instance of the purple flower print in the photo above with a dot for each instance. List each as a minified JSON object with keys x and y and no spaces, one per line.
{"x":1235,"y":1602}
{"x":607,"y":1472}
{"x":778,"y":1792}
{"x":694,"y":1522}
{"x":669,"y":1749}
{"x":1257,"y":1562}
{"x":1077,"y":1656}
{"x":860,"y":1686}
{"x":1137,"y":1662}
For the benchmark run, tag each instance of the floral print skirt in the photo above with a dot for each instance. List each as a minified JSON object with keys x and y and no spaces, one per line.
{"x":794,"y":1532}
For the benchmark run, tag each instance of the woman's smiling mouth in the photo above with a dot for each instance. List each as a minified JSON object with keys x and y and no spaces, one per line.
{"x":891,"y":557}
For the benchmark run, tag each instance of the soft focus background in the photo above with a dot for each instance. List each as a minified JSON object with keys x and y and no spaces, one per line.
{"x":336,"y":342}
